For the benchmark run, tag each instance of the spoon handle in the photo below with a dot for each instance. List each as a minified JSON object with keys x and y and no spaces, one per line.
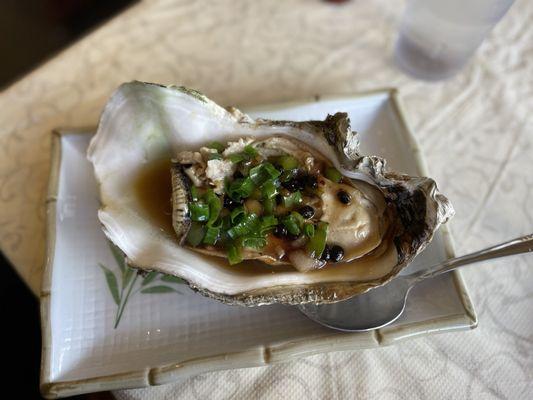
{"x":519,"y":245}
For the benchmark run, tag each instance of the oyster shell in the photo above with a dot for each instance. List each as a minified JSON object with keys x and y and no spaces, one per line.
{"x":146,"y":122}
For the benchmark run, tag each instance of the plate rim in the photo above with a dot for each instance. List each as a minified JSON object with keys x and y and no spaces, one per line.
{"x":260,"y":355}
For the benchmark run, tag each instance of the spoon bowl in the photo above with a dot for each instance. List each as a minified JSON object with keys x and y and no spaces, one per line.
{"x":383,"y":305}
{"x":368,"y":311}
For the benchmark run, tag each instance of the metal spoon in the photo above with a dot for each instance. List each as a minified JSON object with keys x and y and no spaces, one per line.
{"x":383,"y":305}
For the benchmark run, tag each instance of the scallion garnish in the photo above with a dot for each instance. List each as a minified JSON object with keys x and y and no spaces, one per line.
{"x":263,"y":172}
{"x":214,"y":156}
{"x":199,"y":212}
{"x":292,"y":200}
{"x":234,"y":254}
{"x":317,"y":242}
{"x":252,"y":152}
{"x":215,"y":206}
{"x":291,"y":223}
{"x":309,"y":230}
{"x":196,"y":234}
{"x":245,"y":226}
{"x":252,"y":242}
{"x":211,"y":235}
{"x":195,"y":193}
{"x":333,"y":174}
{"x":268,"y":222}
{"x":269,"y":189}
{"x":236,"y":158}
{"x":236,"y":213}
{"x":219,"y":147}
{"x":241,"y":188}
{"x":286,"y":162}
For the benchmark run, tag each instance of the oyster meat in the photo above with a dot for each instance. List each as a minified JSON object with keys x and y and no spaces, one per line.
{"x":293,"y":205}
{"x":299,"y":224}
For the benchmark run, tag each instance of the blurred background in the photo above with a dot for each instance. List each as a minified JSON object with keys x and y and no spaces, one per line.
{"x":31,"y":31}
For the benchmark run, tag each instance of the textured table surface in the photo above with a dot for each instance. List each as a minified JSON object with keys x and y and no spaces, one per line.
{"x":476,"y":131}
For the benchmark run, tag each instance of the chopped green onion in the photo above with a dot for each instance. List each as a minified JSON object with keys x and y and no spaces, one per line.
{"x":263,"y":172}
{"x":317,"y":242}
{"x":269,"y":189}
{"x":199,"y":211}
{"x":333,"y":174}
{"x":235,"y":213}
{"x":225,"y":226}
{"x":226,"y":222}
{"x":196,"y":234}
{"x":219,"y":147}
{"x":211,"y":235}
{"x":214,"y":156}
{"x":234,"y":254}
{"x":247,"y":225}
{"x":195,"y":193}
{"x":292,"y":225}
{"x":241,"y":188}
{"x":292,"y":199}
{"x":287,"y":162}
{"x":298,"y":217}
{"x":309,"y":230}
{"x":236,"y":158}
{"x":256,"y":243}
{"x":215,"y":206}
{"x":268,"y":222}
{"x":269,"y":205}
{"x":250,"y":151}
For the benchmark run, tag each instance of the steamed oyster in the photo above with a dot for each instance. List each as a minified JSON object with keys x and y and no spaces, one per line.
{"x":390,"y":217}
{"x":276,"y":200}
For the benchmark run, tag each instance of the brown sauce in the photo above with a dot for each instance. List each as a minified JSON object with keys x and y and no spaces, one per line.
{"x":153,"y":188}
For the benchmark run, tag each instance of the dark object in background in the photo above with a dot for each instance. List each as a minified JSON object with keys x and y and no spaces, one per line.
{"x":31,"y":31}
{"x":20,"y":336}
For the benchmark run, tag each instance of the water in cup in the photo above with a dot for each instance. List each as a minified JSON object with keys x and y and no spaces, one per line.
{"x":437,"y":38}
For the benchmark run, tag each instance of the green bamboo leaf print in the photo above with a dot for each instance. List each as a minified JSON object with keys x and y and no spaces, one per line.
{"x":149,"y":278}
{"x":112,"y":283}
{"x":128,"y":273}
{"x":120,"y":259}
{"x":158,"y":289}
{"x":127,"y":281}
{"x":171,"y":279}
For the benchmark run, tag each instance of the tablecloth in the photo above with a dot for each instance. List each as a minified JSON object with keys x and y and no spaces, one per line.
{"x":476,"y":131}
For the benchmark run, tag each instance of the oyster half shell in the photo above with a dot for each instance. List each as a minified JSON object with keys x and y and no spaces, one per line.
{"x":143,"y":123}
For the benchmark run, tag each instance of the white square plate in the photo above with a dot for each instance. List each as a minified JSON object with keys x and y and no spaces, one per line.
{"x":176,"y":333}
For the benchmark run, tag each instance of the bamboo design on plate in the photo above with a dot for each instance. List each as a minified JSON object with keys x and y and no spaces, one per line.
{"x":151,"y":283}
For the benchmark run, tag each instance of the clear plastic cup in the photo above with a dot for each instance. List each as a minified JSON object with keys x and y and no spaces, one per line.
{"x":438,"y":37}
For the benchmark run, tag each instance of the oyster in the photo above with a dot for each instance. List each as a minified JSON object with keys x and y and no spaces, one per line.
{"x":295,"y":213}
{"x":397,"y":215}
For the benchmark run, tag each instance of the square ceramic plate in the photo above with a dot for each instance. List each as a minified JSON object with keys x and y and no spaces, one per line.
{"x":105,"y":328}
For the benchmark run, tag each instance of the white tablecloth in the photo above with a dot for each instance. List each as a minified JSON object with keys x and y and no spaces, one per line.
{"x":476,"y":131}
